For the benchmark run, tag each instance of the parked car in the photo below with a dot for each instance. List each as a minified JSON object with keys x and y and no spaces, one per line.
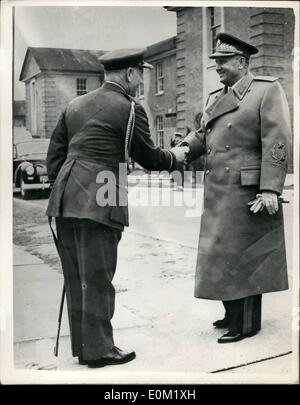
{"x":29,"y":166}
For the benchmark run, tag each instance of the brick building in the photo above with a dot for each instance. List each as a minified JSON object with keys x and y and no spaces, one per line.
{"x":271,"y":30}
{"x":176,"y":89}
{"x":52,"y":78}
{"x":158,"y":93}
{"x":55,"y":76}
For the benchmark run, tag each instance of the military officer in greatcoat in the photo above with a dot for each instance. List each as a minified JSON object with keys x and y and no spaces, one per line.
{"x":96,"y":133}
{"x":245,"y":135}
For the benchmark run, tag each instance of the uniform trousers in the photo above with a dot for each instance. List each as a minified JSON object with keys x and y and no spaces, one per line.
{"x":244,"y":315}
{"x":88,"y":253}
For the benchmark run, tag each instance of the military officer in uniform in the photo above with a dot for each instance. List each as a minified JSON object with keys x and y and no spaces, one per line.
{"x":96,"y":133}
{"x":245,"y":135}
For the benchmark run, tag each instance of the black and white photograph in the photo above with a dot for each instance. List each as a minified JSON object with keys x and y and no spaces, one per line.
{"x":149,"y":193}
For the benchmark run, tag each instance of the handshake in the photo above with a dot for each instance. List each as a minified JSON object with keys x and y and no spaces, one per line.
{"x":181,"y":153}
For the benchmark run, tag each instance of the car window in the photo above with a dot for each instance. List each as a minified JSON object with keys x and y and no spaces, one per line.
{"x":28,"y":148}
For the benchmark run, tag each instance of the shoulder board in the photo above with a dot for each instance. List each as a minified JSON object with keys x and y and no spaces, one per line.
{"x":216,"y":91}
{"x":266,"y":78}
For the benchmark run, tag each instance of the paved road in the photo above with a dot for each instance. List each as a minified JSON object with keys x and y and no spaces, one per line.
{"x":173,"y":214}
{"x":152,"y":275}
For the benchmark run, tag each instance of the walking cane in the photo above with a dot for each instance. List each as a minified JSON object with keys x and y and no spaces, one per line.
{"x":63,"y":294}
{"x":61,"y":308}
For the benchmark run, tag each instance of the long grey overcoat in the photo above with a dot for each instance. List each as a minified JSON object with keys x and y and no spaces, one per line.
{"x":245,"y":135}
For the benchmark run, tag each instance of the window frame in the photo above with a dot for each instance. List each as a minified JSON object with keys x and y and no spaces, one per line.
{"x":81,"y":91}
{"x":141,"y":94}
{"x":214,"y":28}
{"x":159,"y":78}
{"x":160,"y":139}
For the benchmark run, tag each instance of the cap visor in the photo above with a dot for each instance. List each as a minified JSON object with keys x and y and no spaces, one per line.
{"x":146,"y":65}
{"x":222,"y":55}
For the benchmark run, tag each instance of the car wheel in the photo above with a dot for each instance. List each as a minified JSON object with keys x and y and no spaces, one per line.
{"x":25,"y":194}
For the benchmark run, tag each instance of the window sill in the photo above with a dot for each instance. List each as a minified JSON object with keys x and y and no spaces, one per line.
{"x":160,"y":93}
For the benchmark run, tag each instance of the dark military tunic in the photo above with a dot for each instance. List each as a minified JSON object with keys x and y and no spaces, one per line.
{"x":85,"y":151}
{"x":90,"y":139}
{"x":246,"y":135}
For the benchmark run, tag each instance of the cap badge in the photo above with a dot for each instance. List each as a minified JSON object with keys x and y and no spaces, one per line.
{"x":223,"y":47}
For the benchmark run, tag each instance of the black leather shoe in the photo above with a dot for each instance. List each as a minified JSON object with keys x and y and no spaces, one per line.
{"x":230,"y":337}
{"x":82,"y":362}
{"x":113,"y":357}
{"x":221,"y":323}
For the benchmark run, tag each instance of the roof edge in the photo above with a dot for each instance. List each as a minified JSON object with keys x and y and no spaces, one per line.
{"x":170,"y":8}
{"x":165,"y":45}
{"x":24,"y":64}
{"x":30,"y":50}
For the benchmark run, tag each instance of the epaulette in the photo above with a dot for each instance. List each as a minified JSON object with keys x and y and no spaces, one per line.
{"x":215,"y":91}
{"x":266,"y":78}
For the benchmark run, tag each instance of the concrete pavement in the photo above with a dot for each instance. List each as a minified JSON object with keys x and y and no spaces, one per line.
{"x":156,"y":313}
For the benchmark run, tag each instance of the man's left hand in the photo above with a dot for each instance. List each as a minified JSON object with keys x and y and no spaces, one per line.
{"x":270,"y":201}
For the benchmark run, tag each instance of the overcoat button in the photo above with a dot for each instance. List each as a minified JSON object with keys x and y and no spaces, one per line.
{"x":229,"y":125}
{"x":227,"y":169}
{"x":227,"y":147}
{"x":208,"y":151}
{"x":208,"y":131}
{"x":207,"y":171}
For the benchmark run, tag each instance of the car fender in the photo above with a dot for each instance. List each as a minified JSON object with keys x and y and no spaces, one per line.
{"x":19,"y":172}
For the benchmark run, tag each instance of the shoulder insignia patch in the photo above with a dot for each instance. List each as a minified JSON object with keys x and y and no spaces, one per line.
{"x":278,"y":152}
{"x":266,"y":78}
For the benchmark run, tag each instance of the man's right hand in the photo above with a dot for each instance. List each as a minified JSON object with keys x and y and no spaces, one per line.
{"x":180,"y":153}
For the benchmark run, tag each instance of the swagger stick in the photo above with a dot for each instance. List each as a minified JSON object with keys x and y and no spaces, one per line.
{"x":63,"y":294}
{"x":61,"y":308}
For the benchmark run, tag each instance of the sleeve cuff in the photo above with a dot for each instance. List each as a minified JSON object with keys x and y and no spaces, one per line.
{"x":172,"y":160}
{"x":272,"y":178}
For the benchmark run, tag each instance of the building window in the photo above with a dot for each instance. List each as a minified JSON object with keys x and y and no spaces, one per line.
{"x":214,"y":25}
{"x":160,"y":131}
{"x":81,"y":87}
{"x":159,"y":78}
{"x":140,"y":91}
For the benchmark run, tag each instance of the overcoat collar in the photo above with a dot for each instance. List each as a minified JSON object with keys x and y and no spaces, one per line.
{"x":242,"y":86}
{"x":227,"y":102}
